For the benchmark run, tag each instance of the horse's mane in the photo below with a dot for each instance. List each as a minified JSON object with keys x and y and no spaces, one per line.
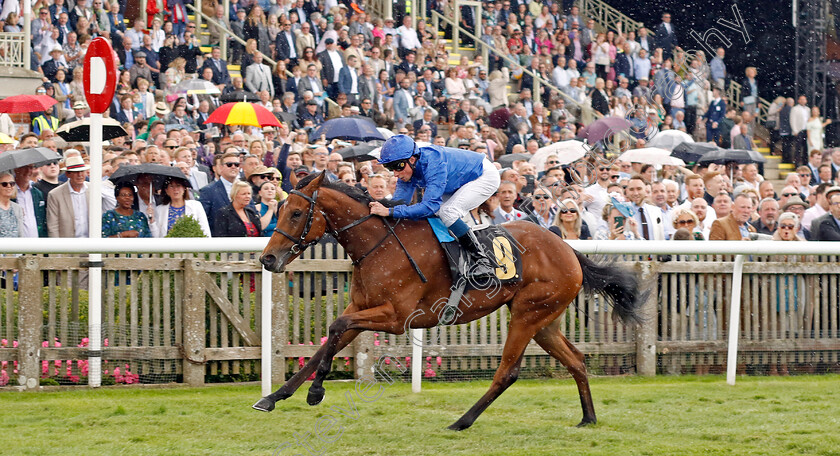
{"x":353,"y":192}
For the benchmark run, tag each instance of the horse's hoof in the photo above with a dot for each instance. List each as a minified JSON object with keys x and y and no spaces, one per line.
{"x":587,"y":422}
{"x":315,"y":396}
{"x":458,"y":426}
{"x":264,"y":405}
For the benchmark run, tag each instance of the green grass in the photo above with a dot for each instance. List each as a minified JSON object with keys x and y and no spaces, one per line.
{"x":637,"y":416}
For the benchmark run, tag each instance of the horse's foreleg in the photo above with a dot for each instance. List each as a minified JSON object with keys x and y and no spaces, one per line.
{"x":555,"y":343}
{"x":266,"y":404}
{"x":380,"y":318}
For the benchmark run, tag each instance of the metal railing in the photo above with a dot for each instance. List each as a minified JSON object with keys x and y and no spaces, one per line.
{"x":538,"y":79}
{"x":11,"y":49}
{"x":607,"y":17}
{"x":733,"y":98}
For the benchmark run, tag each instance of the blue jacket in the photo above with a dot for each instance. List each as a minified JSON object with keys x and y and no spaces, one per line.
{"x":439,"y":171}
{"x":213,"y":197}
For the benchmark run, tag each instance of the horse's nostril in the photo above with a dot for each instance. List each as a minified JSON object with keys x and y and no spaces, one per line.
{"x":268,"y":261}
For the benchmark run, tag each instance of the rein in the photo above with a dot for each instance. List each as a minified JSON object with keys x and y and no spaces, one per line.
{"x":300,"y":243}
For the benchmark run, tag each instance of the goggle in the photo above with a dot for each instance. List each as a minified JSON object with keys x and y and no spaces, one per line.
{"x":398,"y":165}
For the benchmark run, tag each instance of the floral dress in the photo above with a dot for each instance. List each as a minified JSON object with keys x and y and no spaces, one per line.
{"x":114,"y":223}
{"x":8,"y":223}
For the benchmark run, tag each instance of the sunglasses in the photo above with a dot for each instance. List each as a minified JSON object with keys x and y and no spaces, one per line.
{"x":398,"y":165}
{"x":786,"y":227}
{"x":232,"y":164}
{"x":554,"y":163}
{"x":7,"y":184}
{"x":684,"y":222}
{"x":271,"y":178}
{"x":568,"y":211}
{"x":541,"y":197}
{"x":604,"y":168}
{"x":615,"y":177}
{"x":170,"y":147}
{"x":789,"y":194}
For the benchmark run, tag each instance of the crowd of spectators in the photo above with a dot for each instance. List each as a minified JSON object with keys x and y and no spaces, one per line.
{"x":335,"y":60}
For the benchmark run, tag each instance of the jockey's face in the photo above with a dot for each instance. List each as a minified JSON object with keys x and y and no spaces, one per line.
{"x":406,"y":173}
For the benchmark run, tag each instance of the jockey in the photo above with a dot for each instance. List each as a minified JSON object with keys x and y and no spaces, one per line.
{"x":455,"y":181}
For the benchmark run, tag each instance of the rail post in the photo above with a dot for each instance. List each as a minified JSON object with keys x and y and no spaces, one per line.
{"x":646,"y":330}
{"x":193,"y":324}
{"x":30,"y":321}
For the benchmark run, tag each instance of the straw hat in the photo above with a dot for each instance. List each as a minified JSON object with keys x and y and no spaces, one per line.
{"x":161,"y":109}
{"x":75,"y":163}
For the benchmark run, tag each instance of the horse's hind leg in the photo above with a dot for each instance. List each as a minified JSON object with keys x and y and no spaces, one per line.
{"x":552,"y":340}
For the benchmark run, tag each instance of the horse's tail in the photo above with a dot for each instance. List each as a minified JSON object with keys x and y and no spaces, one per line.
{"x":620,"y":286}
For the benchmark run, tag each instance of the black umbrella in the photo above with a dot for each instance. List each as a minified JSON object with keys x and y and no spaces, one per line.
{"x":740,"y":156}
{"x":79,"y":131}
{"x":691,"y":152}
{"x":348,"y":129}
{"x":239,"y":95}
{"x":359,"y":152}
{"x":507,"y":160}
{"x":14,"y":159}
{"x":159,"y":173}
{"x":285,"y":117}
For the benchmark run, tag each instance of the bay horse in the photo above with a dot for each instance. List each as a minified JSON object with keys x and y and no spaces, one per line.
{"x":386,"y":289}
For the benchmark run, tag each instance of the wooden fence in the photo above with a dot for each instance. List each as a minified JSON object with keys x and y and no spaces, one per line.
{"x":196,"y":319}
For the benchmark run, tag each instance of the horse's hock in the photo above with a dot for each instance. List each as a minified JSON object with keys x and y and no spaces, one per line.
{"x":197,"y":319}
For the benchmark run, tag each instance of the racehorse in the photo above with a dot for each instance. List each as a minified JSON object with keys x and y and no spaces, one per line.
{"x":387,"y":289}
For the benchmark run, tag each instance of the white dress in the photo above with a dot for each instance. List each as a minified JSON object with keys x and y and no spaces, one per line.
{"x":815,"y":132}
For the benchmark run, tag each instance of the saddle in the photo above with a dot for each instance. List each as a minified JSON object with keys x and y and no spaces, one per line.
{"x":501,"y":248}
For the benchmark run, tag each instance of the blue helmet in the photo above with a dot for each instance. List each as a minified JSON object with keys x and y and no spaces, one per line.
{"x":397,"y":147}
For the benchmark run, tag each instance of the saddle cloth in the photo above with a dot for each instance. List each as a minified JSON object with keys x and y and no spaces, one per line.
{"x":497,"y":242}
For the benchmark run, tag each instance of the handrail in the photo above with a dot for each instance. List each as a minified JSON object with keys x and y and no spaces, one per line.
{"x":242,"y":42}
{"x":436,"y":17}
{"x":733,"y":96}
{"x":607,"y":16}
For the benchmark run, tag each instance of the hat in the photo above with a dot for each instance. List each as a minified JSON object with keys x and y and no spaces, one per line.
{"x":47,"y":85}
{"x":139,"y":54}
{"x":830,"y":190}
{"x":342,"y":5}
{"x":312,"y":102}
{"x":329,"y":41}
{"x":268,"y":129}
{"x":75,"y":163}
{"x":57,"y":48}
{"x":161,"y":109}
{"x":301,"y":170}
{"x":796,"y":201}
{"x":261,"y":169}
{"x":389,"y":18}
{"x":80,"y":105}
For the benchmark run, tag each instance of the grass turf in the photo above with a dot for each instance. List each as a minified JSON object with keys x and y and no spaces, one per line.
{"x":645,"y":416}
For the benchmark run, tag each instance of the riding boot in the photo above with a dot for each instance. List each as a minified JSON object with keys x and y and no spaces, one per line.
{"x":479,"y":264}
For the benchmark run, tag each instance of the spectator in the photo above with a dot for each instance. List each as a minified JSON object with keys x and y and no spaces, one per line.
{"x":239,"y":218}
{"x":267,"y":208}
{"x":684,"y":219}
{"x":815,"y":128}
{"x":827,"y":226}
{"x":788,"y":228}
{"x":506,"y":212}
{"x":648,"y":216}
{"x":568,"y":223}
{"x":67,"y":207}
{"x":123,"y":221}
{"x":176,"y":203}
{"x":768,"y":210}
{"x":619,"y":225}
{"x":31,"y":200}
{"x":734,"y":227}
{"x":11,"y":214}
{"x":215,"y":196}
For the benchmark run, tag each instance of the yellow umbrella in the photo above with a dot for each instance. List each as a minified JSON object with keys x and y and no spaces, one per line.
{"x":6,"y":139}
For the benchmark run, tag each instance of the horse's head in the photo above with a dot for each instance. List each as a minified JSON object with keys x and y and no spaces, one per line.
{"x":299,"y":224}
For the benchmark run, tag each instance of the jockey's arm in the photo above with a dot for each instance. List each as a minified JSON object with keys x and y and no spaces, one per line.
{"x":436,"y":177}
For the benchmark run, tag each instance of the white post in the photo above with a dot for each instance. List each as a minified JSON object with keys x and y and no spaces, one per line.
{"x":95,"y":269}
{"x":265,"y":334}
{"x":27,"y":34}
{"x":417,"y":335}
{"x":734,"y":319}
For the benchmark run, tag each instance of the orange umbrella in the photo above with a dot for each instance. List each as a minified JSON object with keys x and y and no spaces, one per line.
{"x":243,"y":113}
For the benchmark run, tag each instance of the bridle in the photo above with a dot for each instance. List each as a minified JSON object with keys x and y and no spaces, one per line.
{"x":300,"y":244}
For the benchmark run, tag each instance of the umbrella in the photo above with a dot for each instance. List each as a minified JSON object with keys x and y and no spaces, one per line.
{"x":567,"y":151}
{"x":14,"y":159}
{"x":669,"y":139}
{"x":499,"y":118}
{"x":359,"y":152}
{"x":385,"y":132}
{"x":507,"y":160}
{"x":691,"y":152}
{"x":6,"y":139}
{"x":603,"y":128}
{"x":197,"y":87}
{"x":79,"y":131}
{"x":239,"y":95}
{"x":243,"y":113}
{"x":159,"y":173}
{"x":740,"y":156}
{"x":27,"y":103}
{"x":349,"y":129}
{"x":651,"y":156}
{"x":286,"y":117}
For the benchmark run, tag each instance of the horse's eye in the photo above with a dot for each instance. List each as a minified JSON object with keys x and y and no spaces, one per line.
{"x":296,"y":214}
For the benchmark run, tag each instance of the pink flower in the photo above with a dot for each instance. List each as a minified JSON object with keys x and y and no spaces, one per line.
{"x":45,"y":344}
{"x":14,"y":344}
{"x":430,"y":373}
{"x":74,"y":378}
{"x":4,"y":342}
{"x":439,"y":360}
{"x":324,"y":340}
{"x":376,"y":342}
{"x":4,"y":378}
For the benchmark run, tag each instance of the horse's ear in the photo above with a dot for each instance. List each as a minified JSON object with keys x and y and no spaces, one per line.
{"x":316,"y":183}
